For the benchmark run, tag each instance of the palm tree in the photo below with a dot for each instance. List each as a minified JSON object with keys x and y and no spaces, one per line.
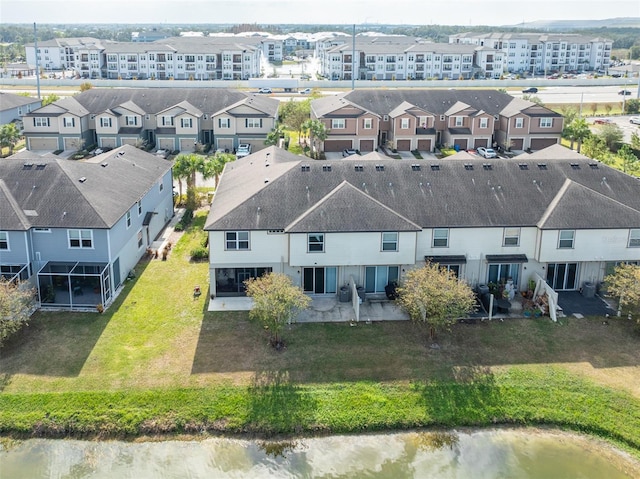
{"x":9,"y":136}
{"x":317,"y":132}
{"x":214,"y":166}
{"x":180,"y":171}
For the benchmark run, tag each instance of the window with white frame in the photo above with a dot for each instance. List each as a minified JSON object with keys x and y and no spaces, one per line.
{"x":511,"y":237}
{"x":4,"y":240}
{"x":186,"y":122}
{"x":253,"y":122}
{"x":385,"y":117}
{"x":167,"y":120}
{"x":40,"y":121}
{"x":484,"y":122}
{"x":338,"y":124}
{"x":404,"y":123}
{"x":634,"y":238}
{"x":131,"y":120}
{"x":519,"y":123}
{"x":140,"y":239}
{"x":139,"y":207}
{"x":80,"y":238}
{"x":566,"y":238}
{"x":441,"y":237}
{"x":69,"y":122}
{"x":128,"y":219}
{"x":224,"y":122}
{"x":546,"y":122}
{"x":390,"y":241}
{"x":105,"y":121}
{"x":315,"y":242}
{"x":367,"y":123}
{"x":459,"y":120}
{"x":236,"y":240}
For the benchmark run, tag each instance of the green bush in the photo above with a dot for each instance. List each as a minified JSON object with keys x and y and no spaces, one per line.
{"x":199,"y":253}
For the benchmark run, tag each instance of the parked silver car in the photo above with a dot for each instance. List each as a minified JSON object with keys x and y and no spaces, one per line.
{"x":486,"y":152}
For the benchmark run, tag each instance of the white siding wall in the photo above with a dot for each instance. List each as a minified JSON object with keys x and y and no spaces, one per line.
{"x":589,"y":245}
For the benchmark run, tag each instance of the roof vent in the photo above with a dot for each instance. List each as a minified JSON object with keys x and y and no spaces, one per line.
{"x":487,"y":166}
{"x":542,"y":166}
{"x":575,"y":166}
{"x":266,"y":180}
{"x":593,"y":166}
{"x":379,"y":167}
{"x":40,"y":166}
{"x":27,"y":166}
{"x":435,"y":167}
{"x":415,"y":167}
{"x":468,"y":166}
{"x":104,"y":165}
{"x":523,"y":166}
{"x":358,"y":168}
{"x":305,"y":168}
{"x":121,"y":153}
{"x":326,"y":167}
{"x":82,"y":179}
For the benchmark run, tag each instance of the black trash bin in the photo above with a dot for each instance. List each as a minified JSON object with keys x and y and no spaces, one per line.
{"x":361,"y":293}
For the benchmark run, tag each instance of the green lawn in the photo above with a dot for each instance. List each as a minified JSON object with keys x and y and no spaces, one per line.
{"x":158,"y":362}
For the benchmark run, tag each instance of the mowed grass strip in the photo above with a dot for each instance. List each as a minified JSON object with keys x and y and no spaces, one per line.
{"x":158,"y":362}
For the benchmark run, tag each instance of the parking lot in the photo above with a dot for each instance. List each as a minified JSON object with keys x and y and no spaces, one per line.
{"x":622,"y":121}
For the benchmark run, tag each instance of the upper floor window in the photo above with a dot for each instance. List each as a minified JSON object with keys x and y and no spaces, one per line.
{"x":105,"y":121}
{"x":390,"y":241}
{"x":128,"y":219}
{"x":459,"y":120}
{"x":338,"y":123}
{"x":139,"y":207}
{"x":4,"y":240}
{"x":367,"y":123}
{"x":253,"y":122}
{"x":404,"y":123}
{"x":546,"y":122}
{"x":186,"y":122}
{"x":634,"y":238}
{"x":519,"y":123}
{"x":566,"y":238}
{"x":315,"y":242}
{"x":224,"y":122}
{"x":511,"y":237}
{"x":237,"y":240}
{"x":131,"y":120}
{"x":167,"y":121}
{"x":440,"y":237}
{"x":69,"y":122}
{"x":484,"y":122}
{"x":41,"y":121}
{"x":80,"y":238}
{"x":140,"y":239}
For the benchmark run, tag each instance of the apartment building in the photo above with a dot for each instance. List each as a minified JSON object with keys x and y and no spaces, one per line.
{"x":537,"y":53}
{"x":84,"y":55}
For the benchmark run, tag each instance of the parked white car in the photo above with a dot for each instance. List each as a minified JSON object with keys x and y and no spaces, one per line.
{"x":486,"y":152}
{"x":634,"y":120}
{"x":244,"y":149}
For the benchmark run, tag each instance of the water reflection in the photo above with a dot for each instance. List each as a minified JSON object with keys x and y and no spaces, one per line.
{"x":483,"y":455}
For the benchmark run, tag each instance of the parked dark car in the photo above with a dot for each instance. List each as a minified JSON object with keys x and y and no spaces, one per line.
{"x":624,"y":92}
{"x":349,"y":151}
{"x":530,"y":90}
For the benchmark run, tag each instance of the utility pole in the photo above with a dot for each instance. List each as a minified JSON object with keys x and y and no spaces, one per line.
{"x":35,"y":46}
{"x":353,"y":60}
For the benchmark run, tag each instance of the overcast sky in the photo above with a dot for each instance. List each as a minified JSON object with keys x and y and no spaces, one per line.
{"x":422,"y":12}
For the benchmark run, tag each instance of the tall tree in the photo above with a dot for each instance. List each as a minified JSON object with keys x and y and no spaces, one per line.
{"x":581,"y":131}
{"x":630,"y":162}
{"x":214,"y":166}
{"x":594,"y":147}
{"x":434,"y":296}
{"x":16,"y":305}
{"x":47,"y":100}
{"x":9,"y":136}
{"x":318,"y":133}
{"x":293,"y":114}
{"x":612,"y":135}
{"x":624,"y":284}
{"x":275,"y":303}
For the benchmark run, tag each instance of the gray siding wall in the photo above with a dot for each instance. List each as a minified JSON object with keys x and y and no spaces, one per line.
{"x":54,"y":246}
{"x":17,"y":252}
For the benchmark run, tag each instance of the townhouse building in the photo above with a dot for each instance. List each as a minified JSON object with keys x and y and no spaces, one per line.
{"x":407,"y":58}
{"x":171,"y":119}
{"x":408,"y":120}
{"x":537,"y":53}
{"x":75,"y":229}
{"x":555,"y":213}
{"x":12,"y":107}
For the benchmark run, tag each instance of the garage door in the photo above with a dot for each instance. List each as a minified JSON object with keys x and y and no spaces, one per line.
{"x":72,"y":143}
{"x":424,"y":145}
{"x":43,"y":144}
{"x":461,"y":143}
{"x":404,"y":145}
{"x":366,"y":145}
{"x":517,"y":143}
{"x":256,"y":145}
{"x":166,"y":144}
{"x":108,"y":142}
{"x":480,"y":142}
{"x":540,"y":143}
{"x":337,"y":145}
{"x":129,"y":141}
{"x":186,"y":144}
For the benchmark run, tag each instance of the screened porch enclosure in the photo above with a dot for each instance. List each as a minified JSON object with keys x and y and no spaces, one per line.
{"x":74,"y":285}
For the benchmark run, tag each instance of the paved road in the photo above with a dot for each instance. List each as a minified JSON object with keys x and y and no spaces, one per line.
{"x":586,"y":95}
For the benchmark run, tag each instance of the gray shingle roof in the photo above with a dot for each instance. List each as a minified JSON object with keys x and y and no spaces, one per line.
{"x":52,"y":191}
{"x":499,"y":193}
{"x":9,"y":101}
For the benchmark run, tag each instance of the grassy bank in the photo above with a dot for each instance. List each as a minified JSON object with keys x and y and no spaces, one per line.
{"x":158,"y":363}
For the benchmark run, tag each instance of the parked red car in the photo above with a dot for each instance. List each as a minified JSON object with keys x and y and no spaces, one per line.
{"x":601,"y":121}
